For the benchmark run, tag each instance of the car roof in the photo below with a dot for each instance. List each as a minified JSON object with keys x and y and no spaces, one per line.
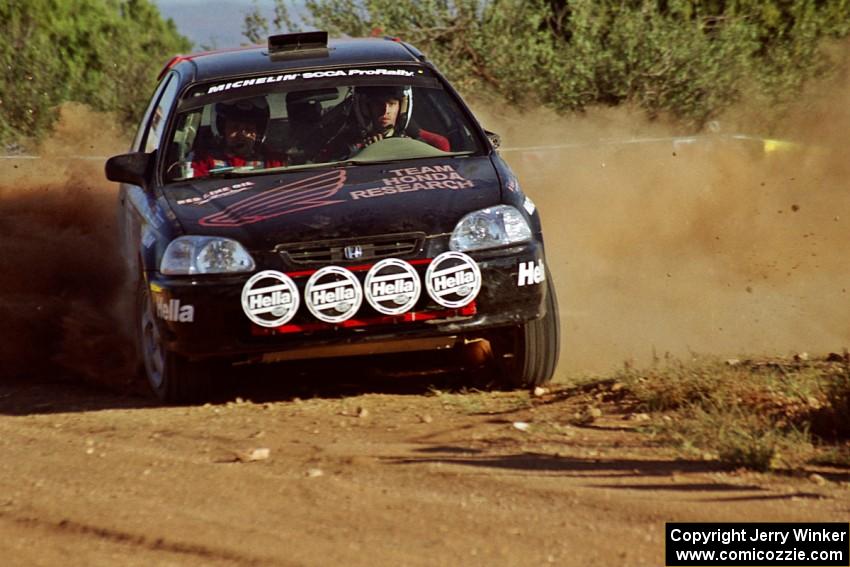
{"x":255,"y":59}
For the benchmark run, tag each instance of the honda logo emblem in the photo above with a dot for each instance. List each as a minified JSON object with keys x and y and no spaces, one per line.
{"x":353,"y":252}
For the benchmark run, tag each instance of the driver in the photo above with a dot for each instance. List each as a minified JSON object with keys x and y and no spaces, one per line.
{"x":381,"y":112}
{"x":242,"y":126}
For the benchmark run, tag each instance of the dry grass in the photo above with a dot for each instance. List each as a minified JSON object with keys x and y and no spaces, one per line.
{"x":477,"y":402}
{"x":758,"y":414}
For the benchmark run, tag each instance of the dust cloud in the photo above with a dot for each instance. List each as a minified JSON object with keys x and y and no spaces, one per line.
{"x":61,"y":273}
{"x":720,"y":245}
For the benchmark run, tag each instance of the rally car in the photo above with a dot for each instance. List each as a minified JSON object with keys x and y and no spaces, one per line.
{"x":311,"y":199}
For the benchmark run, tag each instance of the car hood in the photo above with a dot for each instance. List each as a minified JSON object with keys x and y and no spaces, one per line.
{"x":427,"y":196}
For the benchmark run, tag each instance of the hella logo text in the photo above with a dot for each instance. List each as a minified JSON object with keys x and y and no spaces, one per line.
{"x":531,"y":273}
{"x":328,"y":296}
{"x":273,"y":299}
{"x":459,"y":280}
{"x":173,"y":311}
{"x":380,"y":290}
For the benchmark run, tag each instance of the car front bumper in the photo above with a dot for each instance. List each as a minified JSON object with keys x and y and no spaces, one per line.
{"x":202,"y":317}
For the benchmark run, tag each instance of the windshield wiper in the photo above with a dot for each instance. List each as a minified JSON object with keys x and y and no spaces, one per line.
{"x":230,"y":172}
{"x":367,"y":161}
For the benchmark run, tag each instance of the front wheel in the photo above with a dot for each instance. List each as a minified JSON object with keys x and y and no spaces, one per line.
{"x":526,"y":355}
{"x":173,"y":378}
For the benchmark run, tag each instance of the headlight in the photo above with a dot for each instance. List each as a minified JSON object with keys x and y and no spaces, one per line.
{"x":187,"y":255}
{"x":489,"y":228}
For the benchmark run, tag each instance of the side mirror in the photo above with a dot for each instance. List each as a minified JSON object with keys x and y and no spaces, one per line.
{"x":494,"y":138}
{"x":129,"y":168}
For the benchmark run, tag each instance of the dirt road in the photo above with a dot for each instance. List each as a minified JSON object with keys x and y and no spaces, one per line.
{"x":387,"y":472}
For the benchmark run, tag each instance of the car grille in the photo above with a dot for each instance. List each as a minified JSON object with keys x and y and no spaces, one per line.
{"x":360,"y":249}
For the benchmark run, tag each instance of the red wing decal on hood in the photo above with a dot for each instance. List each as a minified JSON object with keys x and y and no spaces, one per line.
{"x":307,"y":193}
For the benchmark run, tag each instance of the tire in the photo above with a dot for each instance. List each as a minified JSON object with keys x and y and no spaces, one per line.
{"x":526,"y":355}
{"x":172,"y":378}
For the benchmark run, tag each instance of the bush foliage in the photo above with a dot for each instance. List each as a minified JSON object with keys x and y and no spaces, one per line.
{"x":687,"y":58}
{"x":104,"y":53}
{"x":690,"y":59}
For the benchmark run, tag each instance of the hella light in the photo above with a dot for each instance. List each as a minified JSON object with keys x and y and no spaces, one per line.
{"x":490,"y":228}
{"x":187,"y":255}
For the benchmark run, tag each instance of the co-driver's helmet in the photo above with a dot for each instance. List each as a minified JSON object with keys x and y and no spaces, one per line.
{"x":364,"y":97}
{"x":254,"y":109}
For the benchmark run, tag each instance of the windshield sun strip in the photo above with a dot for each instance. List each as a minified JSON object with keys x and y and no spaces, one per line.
{"x":190,"y":102}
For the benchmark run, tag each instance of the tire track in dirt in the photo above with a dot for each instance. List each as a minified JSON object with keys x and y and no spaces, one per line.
{"x":134,"y":540}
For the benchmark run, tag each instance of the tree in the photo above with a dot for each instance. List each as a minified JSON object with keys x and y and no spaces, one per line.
{"x":255,"y":26}
{"x":691,"y":59}
{"x":104,"y":53}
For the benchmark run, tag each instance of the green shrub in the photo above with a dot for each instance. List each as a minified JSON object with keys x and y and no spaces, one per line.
{"x":103,"y":53}
{"x":690,"y":59}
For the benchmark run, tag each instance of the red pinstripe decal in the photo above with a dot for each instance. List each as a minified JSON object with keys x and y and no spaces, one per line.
{"x":308,"y":193}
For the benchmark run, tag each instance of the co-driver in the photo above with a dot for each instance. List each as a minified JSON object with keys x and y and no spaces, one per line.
{"x":242,"y":125}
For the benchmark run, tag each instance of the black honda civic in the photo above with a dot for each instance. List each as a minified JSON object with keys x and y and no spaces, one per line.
{"x":313,"y":199}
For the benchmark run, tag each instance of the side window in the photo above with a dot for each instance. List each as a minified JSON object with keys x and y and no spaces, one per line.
{"x":159,"y":117}
{"x":435,"y":111}
{"x":143,"y":126}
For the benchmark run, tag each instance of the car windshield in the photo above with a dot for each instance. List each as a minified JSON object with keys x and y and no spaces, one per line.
{"x":313,"y":119}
